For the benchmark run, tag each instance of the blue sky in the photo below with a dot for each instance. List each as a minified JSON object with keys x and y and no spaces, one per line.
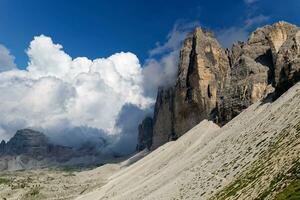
{"x":99,"y":28}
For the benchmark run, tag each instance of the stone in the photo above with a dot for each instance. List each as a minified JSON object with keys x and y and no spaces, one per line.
{"x":163,"y":120}
{"x":27,"y":141}
{"x":145,"y":134}
{"x":218,"y":84}
{"x":287,"y":71}
{"x":203,"y":68}
{"x":252,"y":74}
{"x":2,"y":147}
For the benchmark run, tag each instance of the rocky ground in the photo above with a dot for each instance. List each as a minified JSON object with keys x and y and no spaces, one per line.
{"x":255,"y":156}
{"x":52,"y":184}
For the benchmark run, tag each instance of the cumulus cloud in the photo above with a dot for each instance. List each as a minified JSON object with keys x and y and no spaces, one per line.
{"x":161,"y":68}
{"x":7,"y":61}
{"x":62,"y":95}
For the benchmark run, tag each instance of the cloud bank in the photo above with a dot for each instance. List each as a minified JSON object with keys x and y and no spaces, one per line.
{"x":59,"y":94}
{"x":78,"y":100}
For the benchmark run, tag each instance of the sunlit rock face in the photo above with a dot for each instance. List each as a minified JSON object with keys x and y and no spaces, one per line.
{"x":203,"y":69}
{"x":287,"y":70}
{"x":218,"y":84}
{"x":253,"y":66}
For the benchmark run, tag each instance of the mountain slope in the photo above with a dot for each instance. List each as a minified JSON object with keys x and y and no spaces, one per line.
{"x":254,"y":156}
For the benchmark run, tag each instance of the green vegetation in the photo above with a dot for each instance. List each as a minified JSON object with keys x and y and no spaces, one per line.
{"x":291,"y":192}
{"x":5,"y":181}
{"x":292,"y":175}
{"x":261,"y":165}
{"x":33,"y":191}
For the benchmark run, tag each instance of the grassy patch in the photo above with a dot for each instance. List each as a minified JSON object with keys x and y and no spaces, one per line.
{"x":291,"y":192}
{"x":4,"y":181}
{"x":259,"y":167}
{"x":33,"y":192}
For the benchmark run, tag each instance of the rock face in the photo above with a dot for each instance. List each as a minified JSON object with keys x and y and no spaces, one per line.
{"x":29,"y":149}
{"x":34,"y":144}
{"x":287,"y":70}
{"x":218,"y":84}
{"x":145,"y":134}
{"x":203,"y":69}
{"x":27,"y":141}
{"x":2,"y":147}
{"x":163,"y":120}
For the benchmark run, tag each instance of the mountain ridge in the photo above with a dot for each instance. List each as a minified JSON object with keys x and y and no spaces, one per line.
{"x":30,"y":149}
{"x":217,"y":84}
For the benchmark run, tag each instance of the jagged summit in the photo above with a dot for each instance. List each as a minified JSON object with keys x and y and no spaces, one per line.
{"x":29,"y":149}
{"x":218,"y":84}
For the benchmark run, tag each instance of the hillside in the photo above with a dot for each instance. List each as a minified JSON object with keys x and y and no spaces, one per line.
{"x":254,"y":156}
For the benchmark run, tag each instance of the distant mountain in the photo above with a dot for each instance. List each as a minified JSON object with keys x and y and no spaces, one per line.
{"x":29,"y":149}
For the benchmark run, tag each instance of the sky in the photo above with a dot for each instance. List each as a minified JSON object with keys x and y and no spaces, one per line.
{"x":84,"y":69}
{"x":99,"y":28}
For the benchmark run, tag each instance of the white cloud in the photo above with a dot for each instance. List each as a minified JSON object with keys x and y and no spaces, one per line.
{"x":160,"y":72}
{"x":230,"y":35}
{"x":161,"y":68}
{"x":257,"y":20}
{"x":174,"y":38}
{"x":57,"y":93}
{"x":7,"y":61}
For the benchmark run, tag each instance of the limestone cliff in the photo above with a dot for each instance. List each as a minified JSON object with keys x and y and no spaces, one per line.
{"x":145,"y":134}
{"x":163,"y":127}
{"x":218,"y":84}
{"x":287,"y":63}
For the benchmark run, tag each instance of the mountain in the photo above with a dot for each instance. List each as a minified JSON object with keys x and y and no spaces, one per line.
{"x":254,"y":156}
{"x":218,"y":84}
{"x":29,"y":149}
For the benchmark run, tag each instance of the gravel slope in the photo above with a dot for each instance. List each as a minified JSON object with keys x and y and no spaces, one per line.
{"x":237,"y":161}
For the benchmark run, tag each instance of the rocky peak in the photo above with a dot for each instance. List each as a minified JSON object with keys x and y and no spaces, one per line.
{"x":287,"y":64}
{"x":27,"y":141}
{"x":203,"y":67}
{"x":279,"y":33}
{"x":218,"y":84}
{"x":202,"y":71}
